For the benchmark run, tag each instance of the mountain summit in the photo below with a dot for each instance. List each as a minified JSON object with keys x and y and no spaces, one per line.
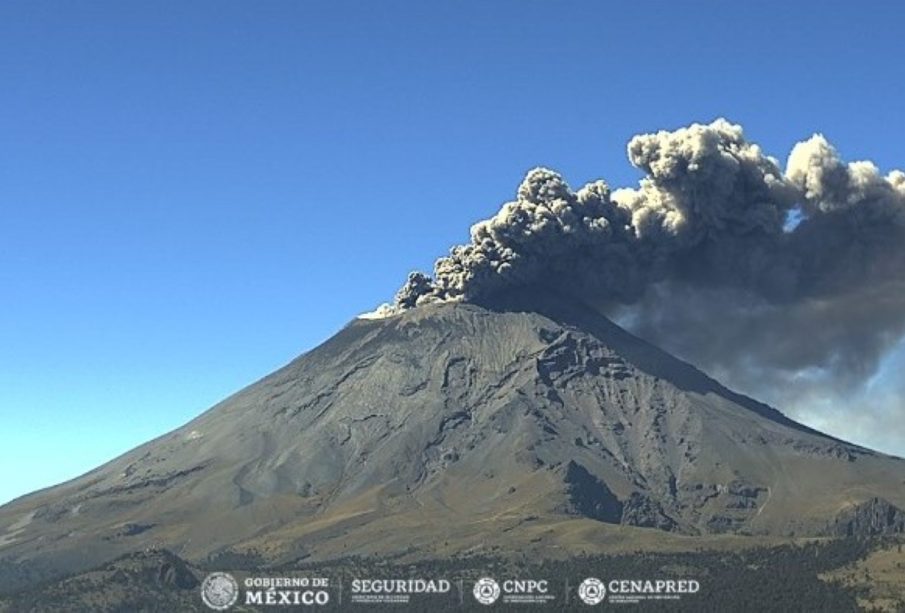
{"x":519,"y":423}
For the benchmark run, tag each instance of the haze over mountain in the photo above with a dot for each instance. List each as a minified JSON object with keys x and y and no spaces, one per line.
{"x":495,"y":408}
{"x":783,"y":278}
{"x":525,"y":422}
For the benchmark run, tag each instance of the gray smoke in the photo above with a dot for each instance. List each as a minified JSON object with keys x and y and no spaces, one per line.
{"x":718,"y":255}
{"x":712,"y":212}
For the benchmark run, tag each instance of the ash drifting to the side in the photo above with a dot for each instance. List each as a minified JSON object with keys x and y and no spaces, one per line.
{"x":718,"y":254}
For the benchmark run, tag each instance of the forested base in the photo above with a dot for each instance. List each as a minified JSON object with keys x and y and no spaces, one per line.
{"x":785,"y":578}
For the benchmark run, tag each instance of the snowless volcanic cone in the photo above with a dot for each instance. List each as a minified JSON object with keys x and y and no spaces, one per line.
{"x":490,"y":410}
{"x":523,"y":422}
{"x":785,"y":280}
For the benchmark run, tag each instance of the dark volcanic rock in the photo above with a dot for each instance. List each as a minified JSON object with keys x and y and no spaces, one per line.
{"x":643,"y":511}
{"x":870,"y":518}
{"x":591,"y":497}
{"x":454,"y":428}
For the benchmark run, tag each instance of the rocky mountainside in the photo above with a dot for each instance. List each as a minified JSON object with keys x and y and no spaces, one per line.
{"x":521,"y":424}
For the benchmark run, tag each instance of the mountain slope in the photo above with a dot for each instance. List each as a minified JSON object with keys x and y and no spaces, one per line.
{"x":461,"y":427}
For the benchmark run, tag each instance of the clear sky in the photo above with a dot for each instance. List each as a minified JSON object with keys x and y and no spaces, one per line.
{"x":193,"y":193}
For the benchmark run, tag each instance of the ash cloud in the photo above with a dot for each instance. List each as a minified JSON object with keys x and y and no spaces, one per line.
{"x":700,"y":257}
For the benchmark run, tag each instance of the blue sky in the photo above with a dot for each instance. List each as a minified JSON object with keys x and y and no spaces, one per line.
{"x":192,"y":193}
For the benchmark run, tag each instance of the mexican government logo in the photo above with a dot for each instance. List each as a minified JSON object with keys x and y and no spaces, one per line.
{"x":219,"y":591}
{"x":486,"y":590}
{"x":592,"y":591}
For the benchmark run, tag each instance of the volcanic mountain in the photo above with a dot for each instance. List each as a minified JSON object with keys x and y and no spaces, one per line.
{"x":518,"y":425}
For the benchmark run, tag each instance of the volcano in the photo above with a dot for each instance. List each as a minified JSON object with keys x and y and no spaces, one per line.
{"x":521,"y":424}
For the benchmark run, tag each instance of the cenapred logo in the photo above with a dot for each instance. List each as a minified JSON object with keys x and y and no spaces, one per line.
{"x":592,"y":591}
{"x":486,"y":590}
{"x":219,"y":591}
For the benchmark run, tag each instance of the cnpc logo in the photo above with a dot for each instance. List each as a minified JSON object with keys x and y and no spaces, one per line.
{"x":487,"y":591}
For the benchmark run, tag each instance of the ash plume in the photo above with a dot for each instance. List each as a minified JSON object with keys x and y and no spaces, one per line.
{"x":718,"y":254}
{"x":711,"y":211}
